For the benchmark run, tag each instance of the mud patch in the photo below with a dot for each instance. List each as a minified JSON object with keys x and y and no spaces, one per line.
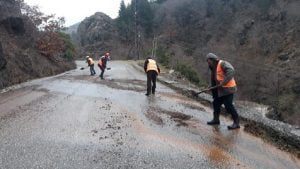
{"x":154,"y":117}
{"x":185,"y":101}
{"x":217,"y":156}
{"x":173,"y":96}
{"x":193,"y":106}
{"x":125,"y":84}
{"x":8,"y":116}
{"x":120,"y":84}
{"x":79,"y":77}
{"x":181,"y":119}
{"x":176,"y":115}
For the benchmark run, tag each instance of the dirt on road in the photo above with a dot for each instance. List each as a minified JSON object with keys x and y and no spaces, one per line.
{"x":74,"y":120}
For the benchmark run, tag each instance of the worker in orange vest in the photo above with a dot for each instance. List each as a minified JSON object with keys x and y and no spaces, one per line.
{"x":152,"y":70}
{"x":102,"y":63}
{"x":222,"y":77}
{"x":90,"y":62}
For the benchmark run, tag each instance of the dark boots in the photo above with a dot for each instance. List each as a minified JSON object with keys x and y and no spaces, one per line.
{"x":216,"y":120}
{"x":235,"y":125}
{"x":153,"y":90}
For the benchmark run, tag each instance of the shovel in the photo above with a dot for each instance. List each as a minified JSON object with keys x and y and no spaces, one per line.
{"x":204,"y":90}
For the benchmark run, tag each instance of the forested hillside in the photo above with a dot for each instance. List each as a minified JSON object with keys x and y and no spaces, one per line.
{"x":259,"y":37}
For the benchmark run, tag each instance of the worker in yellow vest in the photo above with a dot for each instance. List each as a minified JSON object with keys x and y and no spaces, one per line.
{"x":222,"y":77}
{"x":90,"y":63}
{"x":152,"y":70}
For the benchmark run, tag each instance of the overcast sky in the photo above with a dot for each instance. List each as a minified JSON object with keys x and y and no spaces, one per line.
{"x":76,"y":10}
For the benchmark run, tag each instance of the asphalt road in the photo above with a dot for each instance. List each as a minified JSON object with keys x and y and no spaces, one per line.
{"x":74,"y":120}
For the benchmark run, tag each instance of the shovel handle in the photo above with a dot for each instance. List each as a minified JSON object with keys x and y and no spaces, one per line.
{"x":204,"y":90}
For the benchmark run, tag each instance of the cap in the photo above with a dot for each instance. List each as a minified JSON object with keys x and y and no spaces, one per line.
{"x":212,"y":56}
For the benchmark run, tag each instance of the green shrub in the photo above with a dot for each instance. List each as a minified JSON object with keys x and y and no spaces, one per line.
{"x":286,"y":103}
{"x":189,"y":50}
{"x":190,"y":74}
{"x":163,"y":57}
{"x":70,"y":49}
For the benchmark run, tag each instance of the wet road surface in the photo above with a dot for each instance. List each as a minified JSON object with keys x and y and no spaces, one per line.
{"x":74,"y":120}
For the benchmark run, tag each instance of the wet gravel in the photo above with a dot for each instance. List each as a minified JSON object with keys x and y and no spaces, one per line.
{"x":74,"y":120}
{"x":282,"y":135}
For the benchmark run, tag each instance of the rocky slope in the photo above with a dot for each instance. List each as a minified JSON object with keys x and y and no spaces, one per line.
{"x":19,"y":58}
{"x":97,"y":34}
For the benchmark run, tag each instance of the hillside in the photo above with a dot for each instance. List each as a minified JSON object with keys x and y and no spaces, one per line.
{"x":259,"y":37}
{"x":97,"y":35}
{"x":20,"y":57}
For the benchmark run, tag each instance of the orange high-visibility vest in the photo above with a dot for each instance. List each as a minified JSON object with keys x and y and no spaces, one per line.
{"x":220,"y":76}
{"x":100,"y":61}
{"x":152,"y":65}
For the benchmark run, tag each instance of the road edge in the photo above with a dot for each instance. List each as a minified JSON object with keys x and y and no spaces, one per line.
{"x":284,"y":136}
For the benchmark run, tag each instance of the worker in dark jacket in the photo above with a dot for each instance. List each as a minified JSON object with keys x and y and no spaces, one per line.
{"x":90,"y":63}
{"x":152,"y":70}
{"x":102,"y":63}
{"x":222,"y":77}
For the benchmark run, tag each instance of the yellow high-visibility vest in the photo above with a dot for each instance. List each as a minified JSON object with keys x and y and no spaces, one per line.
{"x":91,"y":61}
{"x":152,"y":65}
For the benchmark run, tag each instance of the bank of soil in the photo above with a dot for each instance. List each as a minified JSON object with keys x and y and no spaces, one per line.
{"x":20,"y":60}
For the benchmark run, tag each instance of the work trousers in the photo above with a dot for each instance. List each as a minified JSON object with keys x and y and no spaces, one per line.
{"x":227,"y":101}
{"x":102,"y":71}
{"x":92,"y":70}
{"x":151,"y":81}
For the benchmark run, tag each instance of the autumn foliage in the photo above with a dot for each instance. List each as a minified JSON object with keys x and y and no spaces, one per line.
{"x":51,"y":42}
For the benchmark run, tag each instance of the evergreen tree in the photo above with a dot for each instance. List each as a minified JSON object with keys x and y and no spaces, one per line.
{"x":124,"y":23}
{"x":145,"y":16}
{"x":139,"y":15}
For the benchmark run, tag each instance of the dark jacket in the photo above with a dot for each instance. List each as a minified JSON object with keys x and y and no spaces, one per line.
{"x":104,"y":62}
{"x":229,"y":74}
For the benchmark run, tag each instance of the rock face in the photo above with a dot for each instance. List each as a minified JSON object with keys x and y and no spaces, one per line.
{"x":19,"y":58}
{"x":95,"y":29}
{"x":97,"y":35}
